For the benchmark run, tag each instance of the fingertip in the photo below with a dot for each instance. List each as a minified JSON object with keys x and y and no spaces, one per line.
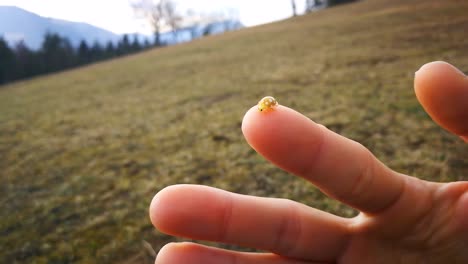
{"x":442,"y":90}
{"x":156,"y":211}
{"x":434,"y":78}
{"x":278,"y":133}
{"x":193,"y":211}
{"x":249,"y":119}
{"x":163,"y":203}
{"x":258,"y":126}
{"x":435,"y":66}
{"x":175,"y":253}
{"x":165,"y":254}
{"x":153,"y":209}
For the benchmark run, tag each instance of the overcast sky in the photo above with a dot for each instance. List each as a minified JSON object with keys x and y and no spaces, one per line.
{"x":117,"y":15}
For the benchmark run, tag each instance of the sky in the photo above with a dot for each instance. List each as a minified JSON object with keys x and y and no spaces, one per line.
{"x":117,"y":15}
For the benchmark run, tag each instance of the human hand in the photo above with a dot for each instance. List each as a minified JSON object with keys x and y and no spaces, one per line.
{"x":403,"y":219}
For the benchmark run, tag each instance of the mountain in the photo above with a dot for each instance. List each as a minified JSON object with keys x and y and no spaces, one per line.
{"x":18,"y":24}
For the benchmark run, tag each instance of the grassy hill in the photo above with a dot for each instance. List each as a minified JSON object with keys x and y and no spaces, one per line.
{"x":83,"y":152}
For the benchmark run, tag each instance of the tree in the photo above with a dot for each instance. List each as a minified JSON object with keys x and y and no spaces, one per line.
{"x":110,"y":50}
{"x":57,"y":53}
{"x":84,"y":55}
{"x":208,"y":30}
{"x":337,"y":2}
{"x":159,"y":14}
{"x":293,"y":4}
{"x":136,"y":44}
{"x":27,"y":61}
{"x":314,"y":4}
{"x":151,"y":11}
{"x":96,"y":52}
{"x":146,"y":44}
{"x":310,"y":5}
{"x":7,"y":62}
{"x":123,"y":46}
{"x":172,"y":17}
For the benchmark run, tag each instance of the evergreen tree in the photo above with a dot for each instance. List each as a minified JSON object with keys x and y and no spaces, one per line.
{"x":337,"y":2}
{"x":57,"y":53}
{"x":97,"y":52}
{"x":83,"y":53}
{"x":7,"y":62}
{"x":110,"y":50}
{"x":146,"y":44}
{"x":123,"y":46}
{"x":27,"y":61}
{"x":135,"y":44}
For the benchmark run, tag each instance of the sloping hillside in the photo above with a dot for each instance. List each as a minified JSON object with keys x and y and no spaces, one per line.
{"x":83,"y":152}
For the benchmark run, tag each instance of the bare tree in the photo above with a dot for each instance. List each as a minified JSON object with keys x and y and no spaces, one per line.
{"x":171,"y":16}
{"x":310,"y":4}
{"x":293,"y":4}
{"x":159,"y":14}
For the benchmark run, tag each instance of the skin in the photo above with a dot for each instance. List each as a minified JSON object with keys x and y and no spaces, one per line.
{"x":403,"y":219}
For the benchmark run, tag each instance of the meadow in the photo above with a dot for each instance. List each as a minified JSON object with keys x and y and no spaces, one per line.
{"x":83,"y":152}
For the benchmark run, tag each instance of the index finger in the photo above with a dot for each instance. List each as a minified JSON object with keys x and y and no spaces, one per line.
{"x":342,"y":168}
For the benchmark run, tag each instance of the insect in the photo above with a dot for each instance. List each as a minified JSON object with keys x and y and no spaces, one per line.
{"x":267,"y":103}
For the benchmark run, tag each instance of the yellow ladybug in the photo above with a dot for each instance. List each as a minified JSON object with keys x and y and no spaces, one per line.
{"x":266,"y":103}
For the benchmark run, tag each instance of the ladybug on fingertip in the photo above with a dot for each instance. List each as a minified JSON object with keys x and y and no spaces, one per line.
{"x":267,"y":103}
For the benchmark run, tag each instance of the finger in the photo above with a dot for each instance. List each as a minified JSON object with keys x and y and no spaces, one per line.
{"x":442,"y":90}
{"x":340,"y":167}
{"x":189,"y":253}
{"x":276,"y":225}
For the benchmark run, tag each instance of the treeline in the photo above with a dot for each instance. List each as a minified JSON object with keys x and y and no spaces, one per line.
{"x":57,"y":53}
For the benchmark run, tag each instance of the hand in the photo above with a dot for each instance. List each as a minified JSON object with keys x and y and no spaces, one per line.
{"x":403,"y":219}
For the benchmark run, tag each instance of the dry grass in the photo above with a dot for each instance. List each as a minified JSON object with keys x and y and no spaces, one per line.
{"x":83,"y":152}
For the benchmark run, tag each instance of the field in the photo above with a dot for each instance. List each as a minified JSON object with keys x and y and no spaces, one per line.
{"x":83,"y":152}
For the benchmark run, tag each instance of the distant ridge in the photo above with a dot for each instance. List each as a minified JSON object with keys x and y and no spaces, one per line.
{"x":18,"y":24}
